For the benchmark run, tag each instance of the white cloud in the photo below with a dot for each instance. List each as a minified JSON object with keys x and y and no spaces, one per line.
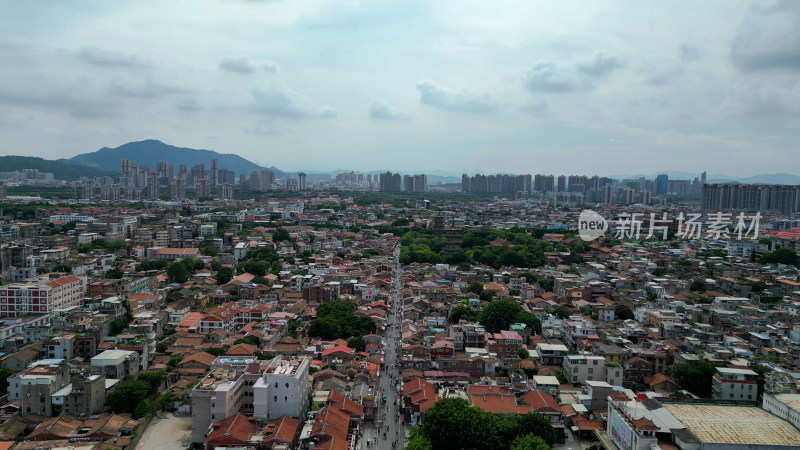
{"x":547,"y":76}
{"x":768,"y":38}
{"x":105,"y":58}
{"x":244,"y":65}
{"x":600,"y":66}
{"x":442,"y":97}
{"x":275,"y":98}
{"x":381,"y":111}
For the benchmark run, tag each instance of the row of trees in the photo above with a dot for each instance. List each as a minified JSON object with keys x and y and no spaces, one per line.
{"x":527,"y":250}
{"x":453,"y":423}
{"x":497,"y":315}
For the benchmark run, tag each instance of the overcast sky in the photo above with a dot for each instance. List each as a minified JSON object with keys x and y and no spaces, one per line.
{"x":493,"y":86}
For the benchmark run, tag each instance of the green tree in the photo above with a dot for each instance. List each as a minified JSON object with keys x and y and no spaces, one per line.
{"x":416,"y":441}
{"x":216,"y":351}
{"x":623,"y":312}
{"x":538,"y":425}
{"x":177,"y":272}
{"x":224,"y":275}
{"x":215,"y":265}
{"x":197,"y":264}
{"x":546,"y":284}
{"x":464,"y":266}
{"x":522,"y":352}
{"x":127,"y":395}
{"x":476,"y":287}
{"x":500,"y":314}
{"x":529,"y":442}
{"x":695,"y":378}
{"x":335,"y":320}
{"x":118,"y":325}
{"x":257,"y":268}
{"x":464,"y":312}
{"x":151,"y":264}
{"x":250,"y":340}
{"x":562,"y":312}
{"x":281,"y":235}
{"x":5,"y":372}
{"x":357,"y":343}
{"x":698,"y":286}
{"x":452,"y":423}
{"x":62,"y":268}
{"x":260,"y":280}
{"x":114,"y":273}
{"x":164,"y":401}
{"x":143,"y":409}
{"x":780,"y":256}
{"x":162,"y":347}
{"x":152,"y":378}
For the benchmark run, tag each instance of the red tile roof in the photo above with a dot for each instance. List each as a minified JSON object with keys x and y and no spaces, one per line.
{"x":237,"y":428}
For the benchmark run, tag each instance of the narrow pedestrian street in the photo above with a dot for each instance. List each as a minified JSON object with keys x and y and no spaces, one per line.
{"x":388,"y":432}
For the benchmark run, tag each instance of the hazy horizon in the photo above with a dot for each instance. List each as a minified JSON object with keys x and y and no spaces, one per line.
{"x":448,"y":87}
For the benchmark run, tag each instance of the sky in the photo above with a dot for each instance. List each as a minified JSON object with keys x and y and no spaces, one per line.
{"x":592,"y":87}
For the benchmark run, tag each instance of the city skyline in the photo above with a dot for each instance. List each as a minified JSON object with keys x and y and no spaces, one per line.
{"x":586,"y":88}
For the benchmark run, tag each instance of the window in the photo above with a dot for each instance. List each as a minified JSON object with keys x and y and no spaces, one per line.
{"x":276,"y":385}
{"x":275,"y":398}
{"x":287,"y":385}
{"x":591,"y":370}
{"x":285,"y":399}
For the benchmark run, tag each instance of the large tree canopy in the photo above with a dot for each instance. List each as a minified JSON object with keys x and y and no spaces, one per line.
{"x":453,"y":423}
{"x":500,"y":314}
{"x":336,"y":320}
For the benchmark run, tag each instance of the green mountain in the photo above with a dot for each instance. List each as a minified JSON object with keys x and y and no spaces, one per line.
{"x":61,"y":170}
{"x":150,"y":152}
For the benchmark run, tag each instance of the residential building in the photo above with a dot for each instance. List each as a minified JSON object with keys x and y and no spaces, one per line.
{"x":84,"y":395}
{"x":734,"y":384}
{"x":41,"y":297}
{"x":580,"y":368}
{"x":117,"y":364}
{"x":282,"y":389}
{"x":35,"y":386}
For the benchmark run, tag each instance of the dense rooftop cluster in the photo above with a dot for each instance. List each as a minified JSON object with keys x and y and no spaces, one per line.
{"x":264,"y":323}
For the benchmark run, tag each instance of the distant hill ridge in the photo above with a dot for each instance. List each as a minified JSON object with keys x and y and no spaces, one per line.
{"x":150,"y":152}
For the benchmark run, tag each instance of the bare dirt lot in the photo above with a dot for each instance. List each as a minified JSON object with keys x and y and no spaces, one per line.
{"x":167,"y":433}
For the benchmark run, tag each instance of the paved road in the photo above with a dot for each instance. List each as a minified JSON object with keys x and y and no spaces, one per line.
{"x":388,"y":433}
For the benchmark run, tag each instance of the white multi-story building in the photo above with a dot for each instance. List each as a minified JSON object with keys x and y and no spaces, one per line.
{"x":282,"y":389}
{"x":227,"y":390}
{"x":734,"y":384}
{"x":43,"y":297}
{"x":580,"y":368}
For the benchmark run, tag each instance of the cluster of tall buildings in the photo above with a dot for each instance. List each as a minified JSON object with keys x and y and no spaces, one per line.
{"x":260,"y":180}
{"x":393,"y":182}
{"x":140,"y":181}
{"x":582,"y":188}
{"x":27,"y":175}
{"x":751,"y":197}
{"x":496,"y":183}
